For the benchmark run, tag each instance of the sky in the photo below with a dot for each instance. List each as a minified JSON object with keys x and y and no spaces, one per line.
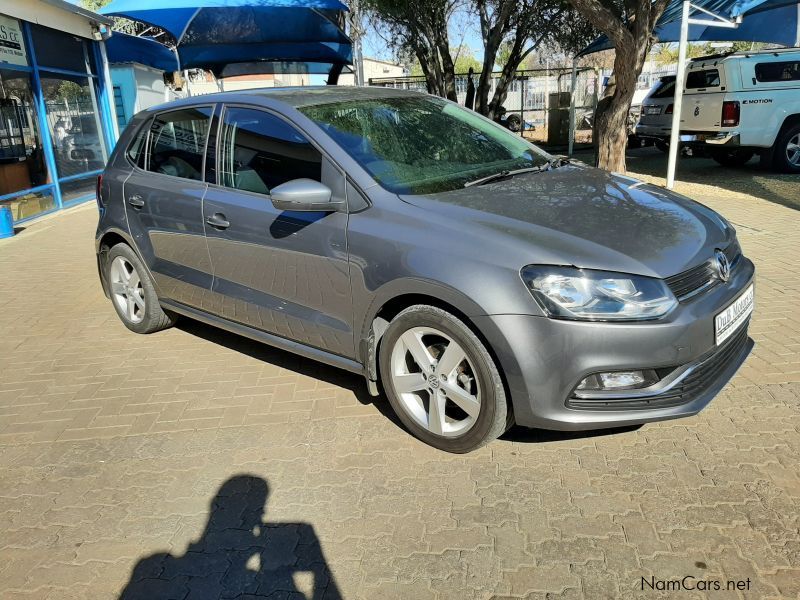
{"x":463,"y":29}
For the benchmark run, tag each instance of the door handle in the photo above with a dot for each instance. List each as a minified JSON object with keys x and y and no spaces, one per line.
{"x":218,"y":221}
{"x":136,"y":201}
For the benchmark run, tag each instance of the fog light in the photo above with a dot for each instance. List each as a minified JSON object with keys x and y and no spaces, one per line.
{"x":619,"y":380}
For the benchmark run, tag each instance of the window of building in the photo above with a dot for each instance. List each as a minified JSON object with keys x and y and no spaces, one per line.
{"x":702,"y":79}
{"x":119,"y":108}
{"x":778,"y":71}
{"x":22,"y":161}
{"x":60,"y":50}
{"x":73,"y":116}
{"x":259,"y":151}
{"x":177,"y":142}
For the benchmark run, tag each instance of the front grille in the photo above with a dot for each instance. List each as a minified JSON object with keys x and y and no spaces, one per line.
{"x":691,"y":387}
{"x":691,"y":282}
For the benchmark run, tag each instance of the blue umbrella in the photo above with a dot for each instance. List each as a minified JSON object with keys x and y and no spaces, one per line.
{"x":212,"y":34}
{"x":123,"y":48}
{"x":773,"y":21}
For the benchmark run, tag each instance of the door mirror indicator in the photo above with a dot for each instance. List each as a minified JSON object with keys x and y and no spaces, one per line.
{"x":303,"y":195}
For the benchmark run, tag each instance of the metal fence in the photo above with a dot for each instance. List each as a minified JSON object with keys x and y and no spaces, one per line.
{"x":540,"y":98}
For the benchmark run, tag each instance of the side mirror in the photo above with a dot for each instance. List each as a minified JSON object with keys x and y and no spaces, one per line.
{"x":303,"y":195}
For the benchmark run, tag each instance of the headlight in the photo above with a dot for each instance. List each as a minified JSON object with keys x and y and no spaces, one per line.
{"x":570,"y":293}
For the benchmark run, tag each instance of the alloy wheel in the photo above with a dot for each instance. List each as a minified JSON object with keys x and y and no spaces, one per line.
{"x":435,"y":381}
{"x":127,"y":290}
{"x":793,"y":151}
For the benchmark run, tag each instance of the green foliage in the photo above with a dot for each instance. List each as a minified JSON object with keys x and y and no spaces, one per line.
{"x":464,"y":59}
{"x":120,"y":24}
{"x":70,"y":91}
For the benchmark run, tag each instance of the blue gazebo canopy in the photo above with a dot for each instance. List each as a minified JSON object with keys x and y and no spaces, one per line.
{"x":771,"y":21}
{"x":124,"y":48}
{"x":212,"y":34}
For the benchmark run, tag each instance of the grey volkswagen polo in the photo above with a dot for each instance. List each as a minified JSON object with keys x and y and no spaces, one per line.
{"x":475,"y":279}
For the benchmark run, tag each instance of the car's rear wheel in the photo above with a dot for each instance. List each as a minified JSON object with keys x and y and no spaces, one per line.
{"x":133,"y":293}
{"x":441,"y":380}
{"x":732,"y":158}
{"x":787,"y":150}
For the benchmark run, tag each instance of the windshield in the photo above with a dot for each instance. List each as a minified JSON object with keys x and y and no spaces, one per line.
{"x":422,"y":144}
{"x":665,"y":88}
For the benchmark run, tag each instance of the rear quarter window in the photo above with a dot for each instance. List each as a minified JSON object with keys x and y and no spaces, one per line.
{"x":778,"y":71}
{"x":136,"y":149}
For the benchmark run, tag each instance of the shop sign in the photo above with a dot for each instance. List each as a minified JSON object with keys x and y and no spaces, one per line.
{"x":12,"y":45}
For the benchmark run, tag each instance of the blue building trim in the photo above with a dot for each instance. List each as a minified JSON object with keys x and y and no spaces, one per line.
{"x":41,"y":114}
{"x":34,"y":190}
{"x":106,"y":114}
{"x":105,"y":100}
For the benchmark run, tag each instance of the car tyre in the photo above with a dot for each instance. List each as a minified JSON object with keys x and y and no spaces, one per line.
{"x":133,"y":293}
{"x":787,"y":150}
{"x":461,"y":384}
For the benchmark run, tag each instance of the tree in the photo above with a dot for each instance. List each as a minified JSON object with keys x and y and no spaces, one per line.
{"x":511,"y":31}
{"x":420,"y":27}
{"x":629,"y":25}
{"x":130,"y":27}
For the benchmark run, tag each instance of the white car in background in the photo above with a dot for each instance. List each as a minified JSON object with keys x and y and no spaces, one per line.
{"x":655,"y":119}
{"x":738,"y":105}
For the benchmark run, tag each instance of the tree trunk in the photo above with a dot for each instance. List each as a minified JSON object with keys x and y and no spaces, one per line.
{"x":611,"y":118}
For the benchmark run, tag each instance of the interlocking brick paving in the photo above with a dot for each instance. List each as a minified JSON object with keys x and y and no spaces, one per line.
{"x":196,"y":464}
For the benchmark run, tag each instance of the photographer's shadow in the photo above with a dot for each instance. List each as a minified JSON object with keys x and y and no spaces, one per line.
{"x":238,"y":554}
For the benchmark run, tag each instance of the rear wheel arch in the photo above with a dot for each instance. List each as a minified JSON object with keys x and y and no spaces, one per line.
{"x":106,"y":242}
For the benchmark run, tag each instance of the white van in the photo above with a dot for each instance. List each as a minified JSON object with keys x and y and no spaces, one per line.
{"x":741,"y":104}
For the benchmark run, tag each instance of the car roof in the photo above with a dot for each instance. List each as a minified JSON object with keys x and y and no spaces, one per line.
{"x":776,"y":53}
{"x":296,"y":97}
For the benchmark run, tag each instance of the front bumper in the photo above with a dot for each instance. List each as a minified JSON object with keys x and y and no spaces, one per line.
{"x":544,"y":359}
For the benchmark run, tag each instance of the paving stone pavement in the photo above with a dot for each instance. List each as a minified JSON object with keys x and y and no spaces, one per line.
{"x":196,"y":464}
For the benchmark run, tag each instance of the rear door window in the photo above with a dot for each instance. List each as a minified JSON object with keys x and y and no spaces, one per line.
{"x":176,"y":142}
{"x":258,"y":151}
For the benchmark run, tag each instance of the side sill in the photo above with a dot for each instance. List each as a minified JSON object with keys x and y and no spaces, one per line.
{"x":322,"y":356}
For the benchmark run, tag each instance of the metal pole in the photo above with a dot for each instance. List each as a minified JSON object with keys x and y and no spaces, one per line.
{"x":677,"y":104}
{"x":572,"y":106}
{"x":521,"y":106}
{"x":108,"y":84}
{"x":358,"y":59}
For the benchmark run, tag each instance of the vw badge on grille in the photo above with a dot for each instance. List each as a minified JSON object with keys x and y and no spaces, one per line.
{"x":723,"y":266}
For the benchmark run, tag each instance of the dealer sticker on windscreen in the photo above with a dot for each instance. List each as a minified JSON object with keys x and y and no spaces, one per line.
{"x":730,"y":319}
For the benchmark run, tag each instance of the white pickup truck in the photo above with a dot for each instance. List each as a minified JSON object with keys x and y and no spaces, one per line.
{"x":735,"y":106}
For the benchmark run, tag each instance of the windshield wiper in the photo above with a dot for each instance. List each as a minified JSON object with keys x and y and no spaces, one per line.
{"x":503,"y":175}
{"x":549,"y":165}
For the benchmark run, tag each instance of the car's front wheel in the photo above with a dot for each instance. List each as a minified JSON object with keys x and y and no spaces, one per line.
{"x":441,"y":381}
{"x":787,"y":150}
{"x":133,"y":293}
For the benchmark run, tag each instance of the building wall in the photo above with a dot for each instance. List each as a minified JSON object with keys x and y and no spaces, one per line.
{"x":42,"y":13}
{"x":374,"y":68}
